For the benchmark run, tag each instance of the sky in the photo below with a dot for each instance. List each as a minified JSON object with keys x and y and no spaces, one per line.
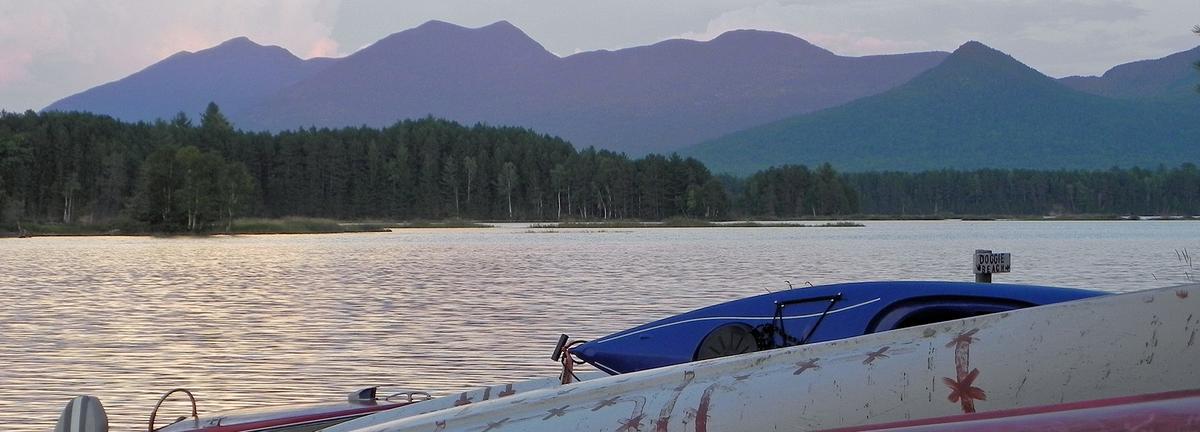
{"x":50,"y":49}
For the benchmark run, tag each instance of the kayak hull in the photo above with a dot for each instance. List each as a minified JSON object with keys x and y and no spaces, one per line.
{"x":809,"y":315}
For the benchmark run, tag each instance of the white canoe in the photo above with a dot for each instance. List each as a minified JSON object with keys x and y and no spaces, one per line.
{"x":472,"y":396}
{"x":1104,"y":347}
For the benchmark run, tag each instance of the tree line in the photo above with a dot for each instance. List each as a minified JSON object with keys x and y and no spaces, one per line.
{"x":179,"y":176}
{"x":174,"y":175}
{"x":1133,"y":191}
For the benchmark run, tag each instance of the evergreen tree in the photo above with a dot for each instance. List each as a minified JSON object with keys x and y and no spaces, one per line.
{"x":215,"y":129}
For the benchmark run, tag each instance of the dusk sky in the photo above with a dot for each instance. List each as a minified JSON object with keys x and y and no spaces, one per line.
{"x":55,"y":48}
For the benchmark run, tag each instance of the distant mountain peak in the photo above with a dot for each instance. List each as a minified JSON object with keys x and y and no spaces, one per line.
{"x":977,"y":51}
{"x":442,"y":28}
{"x":436,"y":25}
{"x":242,"y":47}
{"x":758,"y":39}
{"x":498,"y":38}
{"x":238,"y":42}
{"x":502,"y":24}
{"x":974,"y":46}
{"x":234,"y":74}
{"x":757,"y":34}
{"x":748,"y":42}
{"x":985,"y":66}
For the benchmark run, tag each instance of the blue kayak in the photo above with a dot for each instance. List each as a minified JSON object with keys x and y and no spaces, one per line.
{"x":807,"y":315}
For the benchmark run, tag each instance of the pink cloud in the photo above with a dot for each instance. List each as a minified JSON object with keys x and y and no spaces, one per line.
{"x":13,"y":66}
{"x":324,"y":47}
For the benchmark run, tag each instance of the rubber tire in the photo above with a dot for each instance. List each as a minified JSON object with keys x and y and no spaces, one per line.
{"x":726,"y":340}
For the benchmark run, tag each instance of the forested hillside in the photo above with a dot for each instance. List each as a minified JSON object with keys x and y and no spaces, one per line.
{"x":980,"y":108}
{"x":176,"y":176}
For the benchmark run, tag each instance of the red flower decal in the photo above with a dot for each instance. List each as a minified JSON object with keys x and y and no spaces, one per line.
{"x":963,"y":391}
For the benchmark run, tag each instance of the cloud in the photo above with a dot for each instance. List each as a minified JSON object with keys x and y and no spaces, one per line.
{"x":21,"y":43}
{"x":325,"y":47}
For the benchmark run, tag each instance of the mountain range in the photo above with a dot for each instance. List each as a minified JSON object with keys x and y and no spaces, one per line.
{"x":980,"y":108}
{"x":1170,"y":77}
{"x":653,"y":98}
{"x":237,"y":74}
{"x":749,"y":98}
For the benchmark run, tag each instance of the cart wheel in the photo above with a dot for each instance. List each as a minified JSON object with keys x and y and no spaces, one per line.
{"x":727,"y":340}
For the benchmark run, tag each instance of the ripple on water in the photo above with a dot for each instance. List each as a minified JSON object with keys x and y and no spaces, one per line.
{"x":248,"y":321}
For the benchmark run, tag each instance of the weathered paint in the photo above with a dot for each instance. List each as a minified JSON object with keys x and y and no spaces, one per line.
{"x":1177,"y":411}
{"x":962,"y":387}
{"x":462,"y":400}
{"x":1097,"y":348}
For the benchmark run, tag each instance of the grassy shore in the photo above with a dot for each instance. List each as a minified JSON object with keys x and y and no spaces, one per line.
{"x":243,"y":226}
{"x":687,"y":223}
{"x":446,"y":223}
{"x":300,"y":225}
{"x":306,"y":225}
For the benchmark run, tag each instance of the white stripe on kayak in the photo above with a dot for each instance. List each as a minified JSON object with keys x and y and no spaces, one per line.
{"x":750,"y":318}
{"x":606,"y":369}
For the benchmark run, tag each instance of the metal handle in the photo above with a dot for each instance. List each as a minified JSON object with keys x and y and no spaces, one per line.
{"x":164,"y":397}
{"x":410,"y":395}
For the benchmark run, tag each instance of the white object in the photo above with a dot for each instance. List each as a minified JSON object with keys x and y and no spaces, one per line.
{"x":1095,"y":348}
{"x":987,"y":262}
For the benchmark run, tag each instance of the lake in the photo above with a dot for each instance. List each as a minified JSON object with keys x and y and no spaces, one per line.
{"x":256,"y":320}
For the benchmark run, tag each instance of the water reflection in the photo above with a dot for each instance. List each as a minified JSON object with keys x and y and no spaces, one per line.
{"x":256,"y":320}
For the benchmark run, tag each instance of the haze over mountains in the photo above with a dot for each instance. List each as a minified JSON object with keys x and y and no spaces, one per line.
{"x":751,"y":98}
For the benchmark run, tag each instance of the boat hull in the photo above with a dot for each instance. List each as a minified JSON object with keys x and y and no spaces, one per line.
{"x":1171,"y":411}
{"x":1096,"y":348}
{"x":295,"y":418}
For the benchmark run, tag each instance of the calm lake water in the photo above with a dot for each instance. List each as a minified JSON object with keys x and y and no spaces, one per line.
{"x":256,"y":320}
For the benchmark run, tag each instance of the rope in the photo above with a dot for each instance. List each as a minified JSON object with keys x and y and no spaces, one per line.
{"x":569,"y":362}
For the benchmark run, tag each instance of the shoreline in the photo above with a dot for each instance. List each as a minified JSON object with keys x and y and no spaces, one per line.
{"x":689,"y":224}
{"x":297,"y":226}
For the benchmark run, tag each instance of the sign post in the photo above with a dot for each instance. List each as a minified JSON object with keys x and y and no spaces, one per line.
{"x":987,"y":263}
